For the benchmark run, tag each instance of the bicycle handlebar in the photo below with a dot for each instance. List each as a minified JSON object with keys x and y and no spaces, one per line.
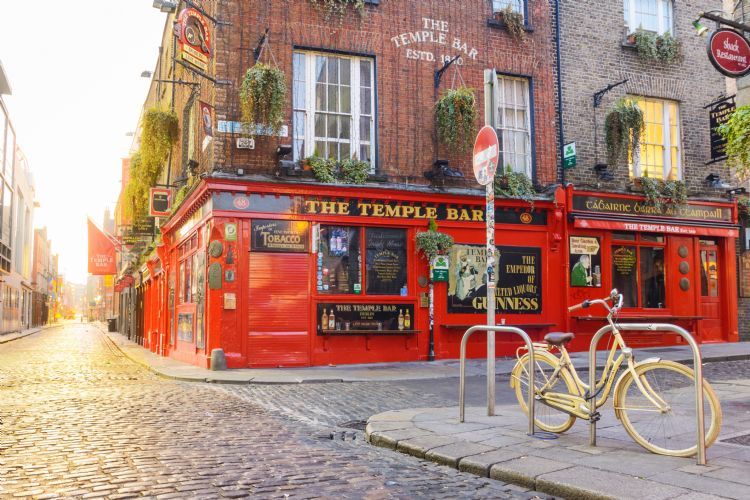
{"x":615,"y":297}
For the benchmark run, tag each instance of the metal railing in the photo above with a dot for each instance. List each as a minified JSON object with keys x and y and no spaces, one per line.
{"x":697,"y":368}
{"x":491,"y":376}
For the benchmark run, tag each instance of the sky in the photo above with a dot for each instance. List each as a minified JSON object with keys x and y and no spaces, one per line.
{"x":74,"y":68}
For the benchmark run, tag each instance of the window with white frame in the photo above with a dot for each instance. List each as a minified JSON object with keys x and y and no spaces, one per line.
{"x":515,"y":5}
{"x":513,"y":123}
{"x":334,"y":106}
{"x":660,"y":152}
{"x":649,"y":15}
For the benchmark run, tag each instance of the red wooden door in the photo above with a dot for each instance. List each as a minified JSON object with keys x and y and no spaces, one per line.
{"x":711,"y":325}
{"x":278,"y":309}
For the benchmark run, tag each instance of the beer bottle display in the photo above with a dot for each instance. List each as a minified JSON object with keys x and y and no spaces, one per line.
{"x":324,"y":320}
{"x":400,"y":319}
{"x":407,"y":320}
{"x":331,"y":321}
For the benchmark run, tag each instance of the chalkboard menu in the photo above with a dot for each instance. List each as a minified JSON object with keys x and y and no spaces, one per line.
{"x":386,"y":261}
{"x":279,"y":236}
{"x":374,"y":319}
{"x":185,"y":327}
{"x":624,"y":274}
{"x":518,"y":280}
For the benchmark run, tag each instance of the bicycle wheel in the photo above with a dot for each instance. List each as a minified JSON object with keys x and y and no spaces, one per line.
{"x":546,"y":418}
{"x":670,"y":432}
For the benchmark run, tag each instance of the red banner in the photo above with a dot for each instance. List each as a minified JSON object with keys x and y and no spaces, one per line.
{"x":101,"y":252}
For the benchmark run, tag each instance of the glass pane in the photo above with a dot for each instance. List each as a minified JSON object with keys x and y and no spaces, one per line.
{"x":365,"y":77}
{"x":709,"y":274}
{"x":346,"y":100}
{"x":339,"y":270}
{"x":624,"y":274}
{"x":333,"y":70}
{"x":365,"y":101}
{"x":345,"y":70}
{"x":299,"y":95}
{"x":385,"y":261}
{"x":345,"y":151}
{"x":320,"y":97}
{"x":320,"y":69}
{"x":333,"y":127}
{"x":623,"y":236}
{"x":653,"y":292}
{"x":345,"y":130}
{"x":364,"y":128}
{"x":320,"y":125}
{"x":364,"y":153}
{"x":658,"y":238}
{"x":333,"y":98}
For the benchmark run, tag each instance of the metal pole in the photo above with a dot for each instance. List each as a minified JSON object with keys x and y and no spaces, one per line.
{"x":490,"y":209}
{"x":697,"y":369}
{"x":462,"y":368}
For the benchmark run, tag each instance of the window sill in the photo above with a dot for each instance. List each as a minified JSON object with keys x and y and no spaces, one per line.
{"x":499,"y":24}
{"x":359,"y":333}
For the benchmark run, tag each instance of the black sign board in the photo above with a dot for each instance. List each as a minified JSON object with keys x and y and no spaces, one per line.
{"x":356,"y":207}
{"x":639,"y":208}
{"x":280,"y":236}
{"x":719,"y":114}
{"x":349,"y":319}
{"x":518,"y":280}
{"x":143,"y":226}
{"x":386,"y":261}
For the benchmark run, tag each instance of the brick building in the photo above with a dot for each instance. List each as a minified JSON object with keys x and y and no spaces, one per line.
{"x":600,"y":66}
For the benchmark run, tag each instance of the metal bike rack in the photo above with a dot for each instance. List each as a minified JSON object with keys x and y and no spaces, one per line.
{"x":697,"y":369}
{"x":491,"y":376}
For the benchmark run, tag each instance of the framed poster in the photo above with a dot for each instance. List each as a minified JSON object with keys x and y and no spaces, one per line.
{"x":585,"y":262}
{"x":279,"y":236}
{"x":185,"y":327}
{"x":386,"y":260}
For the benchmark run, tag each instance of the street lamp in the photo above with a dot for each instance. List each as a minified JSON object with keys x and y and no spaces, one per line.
{"x":166,"y":6}
{"x":700,"y":29}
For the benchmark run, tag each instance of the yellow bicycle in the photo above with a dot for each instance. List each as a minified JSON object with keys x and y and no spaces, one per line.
{"x":654,"y":399}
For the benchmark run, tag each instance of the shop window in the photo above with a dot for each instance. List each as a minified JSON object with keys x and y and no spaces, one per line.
{"x":638,"y":270}
{"x":709,"y":270}
{"x":334,"y":106}
{"x":189,"y":267}
{"x":660,"y":150}
{"x":649,"y":15}
{"x":340,"y":260}
{"x":7,"y":206}
{"x":513,"y":123}
{"x":515,"y":5}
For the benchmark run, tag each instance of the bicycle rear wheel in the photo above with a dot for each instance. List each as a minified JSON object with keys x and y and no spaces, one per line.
{"x":546,"y":418}
{"x":670,"y":432}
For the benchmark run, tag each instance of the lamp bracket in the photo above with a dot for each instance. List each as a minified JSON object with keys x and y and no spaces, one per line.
{"x":600,"y":94}
{"x":439,"y":72}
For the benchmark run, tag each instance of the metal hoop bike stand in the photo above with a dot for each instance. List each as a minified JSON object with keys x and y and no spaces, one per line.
{"x":697,"y":369}
{"x":491,"y":376}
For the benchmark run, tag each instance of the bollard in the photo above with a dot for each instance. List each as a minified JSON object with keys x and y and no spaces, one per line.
{"x":218,"y":360}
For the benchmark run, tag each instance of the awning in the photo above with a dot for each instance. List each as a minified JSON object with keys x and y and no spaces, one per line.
{"x":723,"y":231}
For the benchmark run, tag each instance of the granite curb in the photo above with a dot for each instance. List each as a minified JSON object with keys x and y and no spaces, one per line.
{"x":10,"y":337}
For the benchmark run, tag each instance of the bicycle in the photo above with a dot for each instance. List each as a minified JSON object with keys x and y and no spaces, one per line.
{"x":654,"y":399}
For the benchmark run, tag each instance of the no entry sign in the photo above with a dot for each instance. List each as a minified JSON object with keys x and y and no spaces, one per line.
{"x":729,"y":52}
{"x":486,"y":154}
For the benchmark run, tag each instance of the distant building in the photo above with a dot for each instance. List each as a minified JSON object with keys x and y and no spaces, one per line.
{"x":42,"y":277}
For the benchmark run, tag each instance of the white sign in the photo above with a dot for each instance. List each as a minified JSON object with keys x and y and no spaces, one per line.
{"x":245,"y":143}
{"x":227,"y":127}
{"x":583,"y":245}
{"x":434,"y":32}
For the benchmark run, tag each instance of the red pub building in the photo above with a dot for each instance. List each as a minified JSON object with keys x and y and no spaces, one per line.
{"x":277,"y":268}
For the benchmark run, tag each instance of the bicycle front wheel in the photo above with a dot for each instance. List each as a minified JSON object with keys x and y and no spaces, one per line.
{"x":670,"y":431}
{"x":546,"y":418}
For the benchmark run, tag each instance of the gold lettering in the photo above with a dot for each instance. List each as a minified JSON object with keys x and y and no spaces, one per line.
{"x":328,"y":207}
{"x":377,"y":210}
{"x":431,"y":213}
{"x":407,"y":211}
{"x":452,"y":214}
{"x":464,"y":215}
{"x":477,"y":215}
{"x":393,"y":211}
{"x":312,"y":206}
{"x":364,"y":209}
{"x":343,"y":208}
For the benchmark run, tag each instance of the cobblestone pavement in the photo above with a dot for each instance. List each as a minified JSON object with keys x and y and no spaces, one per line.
{"x":78,"y":419}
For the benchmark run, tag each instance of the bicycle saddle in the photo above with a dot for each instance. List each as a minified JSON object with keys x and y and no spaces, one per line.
{"x":558,"y":338}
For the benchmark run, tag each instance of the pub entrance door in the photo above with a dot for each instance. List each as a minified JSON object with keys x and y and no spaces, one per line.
{"x":279,"y":309}
{"x":711,"y":324}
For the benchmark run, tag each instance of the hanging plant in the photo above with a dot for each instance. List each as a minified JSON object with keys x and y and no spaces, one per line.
{"x":263,"y":98}
{"x":323,"y":169}
{"x":456,"y":115}
{"x":660,"y":193}
{"x":743,"y":206}
{"x":515,"y":185}
{"x":338,"y":7}
{"x":663,"y":49}
{"x":432,"y":242}
{"x":513,"y":21}
{"x":136,"y":190}
{"x":623,"y":127}
{"x":159,"y":133}
{"x":736,"y":131}
{"x":354,"y":171}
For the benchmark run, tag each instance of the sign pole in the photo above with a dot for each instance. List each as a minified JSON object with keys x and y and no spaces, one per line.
{"x":490,"y":218}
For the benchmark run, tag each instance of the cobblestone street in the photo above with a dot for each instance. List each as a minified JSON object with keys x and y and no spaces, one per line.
{"x":81,"y":420}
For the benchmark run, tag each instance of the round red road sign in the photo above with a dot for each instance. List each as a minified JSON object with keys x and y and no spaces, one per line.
{"x":729,"y":52}
{"x":486,"y":154}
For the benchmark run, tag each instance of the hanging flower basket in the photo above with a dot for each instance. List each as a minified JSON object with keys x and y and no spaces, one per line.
{"x":664,"y":49}
{"x":512,"y":184}
{"x":623,"y":127}
{"x":660,"y":193}
{"x":432,"y":242}
{"x":456,"y":116}
{"x":263,"y":98}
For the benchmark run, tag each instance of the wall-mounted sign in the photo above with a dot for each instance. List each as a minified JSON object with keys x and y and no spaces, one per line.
{"x":279,"y":236}
{"x":440,"y":267}
{"x":185,"y":327}
{"x":230,"y":301}
{"x":230,"y":231}
{"x":357,"y":207}
{"x":719,"y":114}
{"x":386,"y":261}
{"x":729,"y":52}
{"x":245,"y":143}
{"x":585,"y":261}
{"x":159,"y":202}
{"x":570,"y":159}
{"x":194,"y":38}
{"x":639,"y":208}
{"x":518,"y":280}
{"x":745,"y":274}
{"x":432,"y":41}
{"x":230,"y":127}
{"x":343,"y":319}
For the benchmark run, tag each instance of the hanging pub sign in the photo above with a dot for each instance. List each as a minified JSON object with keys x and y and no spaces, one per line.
{"x":729,"y":52}
{"x":159,"y":202}
{"x":719,"y":113}
{"x":518,"y":280}
{"x":279,"y":236}
{"x":374,"y":319}
{"x":194,"y":38}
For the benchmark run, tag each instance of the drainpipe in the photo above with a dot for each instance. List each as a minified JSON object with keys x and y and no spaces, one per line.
{"x":559,"y":90}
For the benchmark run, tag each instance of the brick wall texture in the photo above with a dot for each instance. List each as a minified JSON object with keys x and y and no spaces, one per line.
{"x":405,"y":93}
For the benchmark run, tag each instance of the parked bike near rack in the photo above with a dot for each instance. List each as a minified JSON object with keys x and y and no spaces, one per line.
{"x":654,"y":399}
